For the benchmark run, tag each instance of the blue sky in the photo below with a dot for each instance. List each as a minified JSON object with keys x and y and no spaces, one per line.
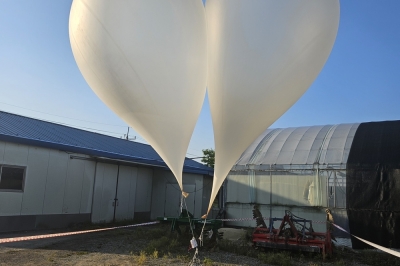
{"x":39,"y":77}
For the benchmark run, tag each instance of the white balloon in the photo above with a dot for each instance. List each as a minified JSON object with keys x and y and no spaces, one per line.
{"x":262,"y":56}
{"x":147,"y":61}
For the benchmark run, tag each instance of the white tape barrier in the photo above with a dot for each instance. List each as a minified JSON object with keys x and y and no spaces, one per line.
{"x":394,"y":253}
{"x":25,"y":238}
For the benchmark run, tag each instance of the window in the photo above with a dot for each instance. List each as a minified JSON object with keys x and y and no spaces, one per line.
{"x":12,"y":178}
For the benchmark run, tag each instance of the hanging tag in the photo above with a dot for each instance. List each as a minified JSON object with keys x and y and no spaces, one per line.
{"x":193,"y":243}
{"x":210,"y":233}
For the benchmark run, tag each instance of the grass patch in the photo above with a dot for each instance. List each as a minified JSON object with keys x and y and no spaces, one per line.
{"x":372,"y":257}
{"x":83,"y":252}
{"x":141,"y":260}
{"x":163,"y":245}
{"x":207,"y":262}
{"x":240,"y":248}
{"x":155,"y":254}
{"x":276,"y":258}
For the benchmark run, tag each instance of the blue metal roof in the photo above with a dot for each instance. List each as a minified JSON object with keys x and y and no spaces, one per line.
{"x":29,"y":131}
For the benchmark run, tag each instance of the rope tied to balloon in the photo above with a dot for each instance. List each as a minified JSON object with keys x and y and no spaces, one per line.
{"x":193,"y":243}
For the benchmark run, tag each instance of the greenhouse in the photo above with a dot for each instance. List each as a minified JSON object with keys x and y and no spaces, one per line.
{"x":352,"y":169}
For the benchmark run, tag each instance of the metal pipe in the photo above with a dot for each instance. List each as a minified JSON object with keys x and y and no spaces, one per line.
{"x":334,"y":189}
{"x":270,"y":193}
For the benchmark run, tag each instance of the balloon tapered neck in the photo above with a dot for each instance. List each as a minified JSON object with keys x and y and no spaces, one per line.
{"x":185,"y":194}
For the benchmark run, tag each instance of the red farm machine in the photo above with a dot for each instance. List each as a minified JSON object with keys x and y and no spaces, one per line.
{"x":293,"y":233}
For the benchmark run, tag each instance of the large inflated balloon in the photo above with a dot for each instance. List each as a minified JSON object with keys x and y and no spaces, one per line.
{"x":147,"y":61}
{"x":262,"y":56}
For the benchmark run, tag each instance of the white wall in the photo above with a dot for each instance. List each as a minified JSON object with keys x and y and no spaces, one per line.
{"x":134,"y":189}
{"x":144,"y":190}
{"x":127,"y":183}
{"x":54,"y":183}
{"x":104,"y":192}
{"x":166,"y":191}
{"x":12,"y":154}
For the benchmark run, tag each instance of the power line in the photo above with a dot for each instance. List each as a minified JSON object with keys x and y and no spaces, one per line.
{"x":80,"y":127}
{"x":62,"y":116}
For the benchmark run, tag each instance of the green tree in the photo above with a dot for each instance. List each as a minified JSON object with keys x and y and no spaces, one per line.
{"x":209,"y":157}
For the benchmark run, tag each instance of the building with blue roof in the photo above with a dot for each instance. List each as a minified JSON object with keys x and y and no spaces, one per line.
{"x":54,"y":175}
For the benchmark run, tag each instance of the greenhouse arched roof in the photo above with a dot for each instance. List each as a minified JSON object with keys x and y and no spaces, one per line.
{"x":328,"y":144}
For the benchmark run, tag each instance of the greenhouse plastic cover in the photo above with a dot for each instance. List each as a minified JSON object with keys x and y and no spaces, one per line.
{"x":328,"y":144}
{"x":147,"y":61}
{"x":262,"y":56}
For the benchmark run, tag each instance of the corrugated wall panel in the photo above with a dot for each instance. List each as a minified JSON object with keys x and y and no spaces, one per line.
{"x":123,"y":212}
{"x":160,"y":179}
{"x":2,"y":148}
{"x":10,"y":202}
{"x":108,"y":192}
{"x":73,"y":186}
{"x":104,"y":192}
{"x":87,"y":187}
{"x":15,"y":154}
{"x":199,"y":181}
{"x":190,"y":200}
{"x":56,"y":176}
{"x":35,"y":181}
{"x":143,"y":190}
{"x":197,"y":192}
{"x":97,"y":193}
{"x":171,"y":201}
{"x":132,"y":189}
{"x":166,"y":194}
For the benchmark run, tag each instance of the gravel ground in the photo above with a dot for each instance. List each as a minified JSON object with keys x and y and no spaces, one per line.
{"x":127,"y":246}
{"x":118,"y":247}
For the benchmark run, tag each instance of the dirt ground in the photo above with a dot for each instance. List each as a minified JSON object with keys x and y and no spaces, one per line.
{"x":154,"y":245}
